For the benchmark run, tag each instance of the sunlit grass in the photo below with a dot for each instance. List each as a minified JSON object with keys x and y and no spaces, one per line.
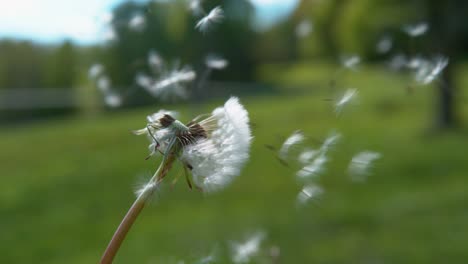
{"x":67,"y":183}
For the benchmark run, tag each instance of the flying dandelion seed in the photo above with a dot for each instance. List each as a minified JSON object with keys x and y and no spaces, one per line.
{"x":216,"y":62}
{"x":361,"y":163}
{"x":109,"y":35}
{"x":416,"y":63}
{"x":137,"y":23}
{"x":295,"y":138}
{"x":309,"y":193}
{"x":112,"y":99}
{"x":171,"y":85}
{"x":95,"y":71}
{"x":195,"y":6}
{"x":214,"y":17}
{"x":416,"y":30}
{"x":103,"y":84}
{"x":245,"y":251}
{"x":211,"y":258}
{"x":384,"y":45}
{"x":398,"y":62}
{"x":304,"y":28}
{"x":155,"y":61}
{"x":351,"y":62}
{"x":307,"y":155}
{"x":313,"y":169}
{"x":330,"y":141}
{"x":347,"y":97}
{"x":428,"y":71}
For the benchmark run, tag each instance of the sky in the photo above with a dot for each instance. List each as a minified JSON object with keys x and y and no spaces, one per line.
{"x":49,"y":21}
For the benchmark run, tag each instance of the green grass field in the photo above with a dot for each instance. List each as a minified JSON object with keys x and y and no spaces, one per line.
{"x":66,"y":184}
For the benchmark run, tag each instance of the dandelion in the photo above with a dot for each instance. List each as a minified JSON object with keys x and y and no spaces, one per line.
{"x":351,"y":62}
{"x":216,"y":62}
{"x":361,"y":163}
{"x":428,"y":71}
{"x":349,"y":95}
{"x":213,"y":149}
{"x":95,"y":71}
{"x":137,"y":23}
{"x":384,"y":45}
{"x":309,"y":193}
{"x":296,"y":138}
{"x":215,"y":16}
{"x":416,"y":30}
{"x":304,"y":28}
{"x":243,"y":252}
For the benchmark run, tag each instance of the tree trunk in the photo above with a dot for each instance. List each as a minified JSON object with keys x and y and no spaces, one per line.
{"x":445,"y":116}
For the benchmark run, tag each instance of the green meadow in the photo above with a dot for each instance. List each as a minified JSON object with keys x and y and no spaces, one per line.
{"x":67,"y":183}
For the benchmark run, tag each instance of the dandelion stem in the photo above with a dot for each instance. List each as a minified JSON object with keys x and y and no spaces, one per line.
{"x":135,"y":210}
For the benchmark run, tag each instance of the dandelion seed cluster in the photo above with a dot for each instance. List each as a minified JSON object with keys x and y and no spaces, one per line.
{"x":218,"y":159}
{"x":213,"y":149}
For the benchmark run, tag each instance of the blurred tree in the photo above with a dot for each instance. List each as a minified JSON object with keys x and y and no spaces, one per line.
{"x":61,"y":67}
{"x":21,"y":64}
{"x":170,"y":30}
{"x":449,"y":36}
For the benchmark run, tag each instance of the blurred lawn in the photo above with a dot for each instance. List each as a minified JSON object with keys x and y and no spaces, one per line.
{"x":66,"y":184}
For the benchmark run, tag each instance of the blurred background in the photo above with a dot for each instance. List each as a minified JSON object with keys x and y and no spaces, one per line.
{"x":77,"y":77}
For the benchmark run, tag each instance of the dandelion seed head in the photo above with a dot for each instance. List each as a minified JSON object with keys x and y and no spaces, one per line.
{"x":349,"y":95}
{"x":416,"y":30}
{"x":295,"y":138}
{"x":309,"y":193}
{"x":304,"y":28}
{"x":95,"y":71}
{"x":218,"y":159}
{"x":216,"y":62}
{"x":214,"y":17}
{"x":243,"y":252}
